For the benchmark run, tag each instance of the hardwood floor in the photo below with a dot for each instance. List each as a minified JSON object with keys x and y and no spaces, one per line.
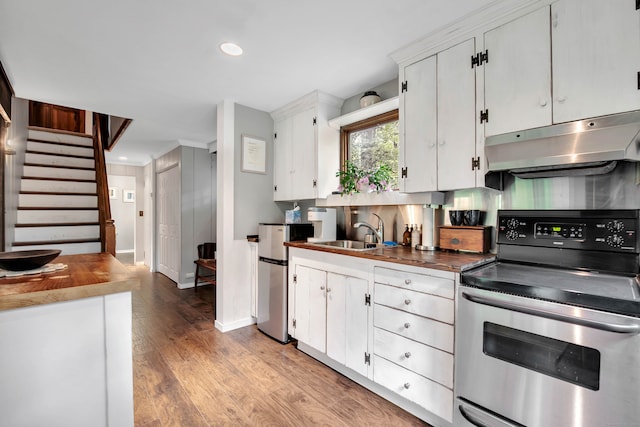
{"x":187,"y":373}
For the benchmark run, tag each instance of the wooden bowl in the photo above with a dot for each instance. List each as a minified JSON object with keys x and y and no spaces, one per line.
{"x":27,"y":260}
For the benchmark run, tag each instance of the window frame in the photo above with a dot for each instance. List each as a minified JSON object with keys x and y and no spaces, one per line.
{"x":345,"y":131}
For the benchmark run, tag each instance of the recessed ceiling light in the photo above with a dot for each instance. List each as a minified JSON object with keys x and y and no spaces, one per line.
{"x":231,"y":49}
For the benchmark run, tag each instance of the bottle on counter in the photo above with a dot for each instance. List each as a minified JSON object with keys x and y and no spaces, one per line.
{"x":416,"y":235}
{"x":406,"y":236}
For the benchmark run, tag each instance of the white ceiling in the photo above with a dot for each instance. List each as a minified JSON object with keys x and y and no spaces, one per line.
{"x":158,"y":61}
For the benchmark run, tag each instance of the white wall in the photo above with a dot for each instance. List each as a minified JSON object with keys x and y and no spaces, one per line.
{"x":14,"y":164}
{"x":123,"y":213}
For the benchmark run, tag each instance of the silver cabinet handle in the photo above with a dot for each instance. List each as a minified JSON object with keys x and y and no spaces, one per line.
{"x":407,"y":281}
{"x":407,"y":355}
{"x":480,"y":418}
{"x":633,"y":328}
{"x":322,"y":288}
{"x":328,"y":289}
{"x":407,"y":301}
{"x":407,"y":385}
{"x":406,"y":325}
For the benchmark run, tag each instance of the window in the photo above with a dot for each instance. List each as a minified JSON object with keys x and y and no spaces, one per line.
{"x":371,"y":143}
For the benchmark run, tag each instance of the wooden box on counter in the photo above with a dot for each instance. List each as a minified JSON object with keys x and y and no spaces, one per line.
{"x":466,"y":238}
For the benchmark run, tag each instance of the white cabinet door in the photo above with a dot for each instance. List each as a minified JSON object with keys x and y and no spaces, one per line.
{"x":347,"y":320}
{"x":283,"y":159}
{"x":310,"y":306}
{"x":517,"y":78}
{"x":418,"y":153}
{"x":596,"y":58}
{"x":303,"y":162}
{"x":456,"y":117}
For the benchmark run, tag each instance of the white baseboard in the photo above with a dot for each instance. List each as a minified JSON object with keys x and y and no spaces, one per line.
{"x":125,"y":251}
{"x":226,"y":327}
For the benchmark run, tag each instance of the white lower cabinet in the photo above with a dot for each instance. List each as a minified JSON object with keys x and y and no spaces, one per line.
{"x":331,"y":313}
{"x":413,"y":345}
{"x":387,"y":326}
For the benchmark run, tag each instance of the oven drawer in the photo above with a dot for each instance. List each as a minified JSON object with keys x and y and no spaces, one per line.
{"x":426,"y":305}
{"x":417,"y":328}
{"x":431,"y":284}
{"x":430,"y":395}
{"x":427,"y":361}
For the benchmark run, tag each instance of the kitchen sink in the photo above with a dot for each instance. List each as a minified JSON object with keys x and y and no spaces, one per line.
{"x":352,"y":245}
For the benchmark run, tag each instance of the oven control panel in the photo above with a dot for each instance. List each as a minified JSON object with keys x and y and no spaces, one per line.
{"x":615,"y":230}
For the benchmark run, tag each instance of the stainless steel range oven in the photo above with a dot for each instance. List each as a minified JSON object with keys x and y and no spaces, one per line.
{"x":548,"y":335}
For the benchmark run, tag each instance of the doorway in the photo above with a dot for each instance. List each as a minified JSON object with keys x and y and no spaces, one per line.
{"x":123,"y":211}
{"x":169,"y":223}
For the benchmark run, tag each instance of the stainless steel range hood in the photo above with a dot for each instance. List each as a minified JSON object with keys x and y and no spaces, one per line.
{"x":584,"y":147}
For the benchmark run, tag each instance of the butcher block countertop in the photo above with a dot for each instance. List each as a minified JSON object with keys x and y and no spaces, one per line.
{"x":439,"y":260}
{"x":86,"y":275}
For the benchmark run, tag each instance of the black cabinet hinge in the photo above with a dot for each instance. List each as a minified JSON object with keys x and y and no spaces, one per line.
{"x":403,"y":86}
{"x":637,"y":4}
{"x":475,"y":163}
{"x":367,"y":358}
{"x":638,"y":76}
{"x":479,"y":58}
{"x":295,"y":278}
{"x":315,"y":121}
{"x":275,"y":188}
{"x":367,"y":299}
{"x":403,"y":172}
{"x":294,"y":323}
{"x":484,"y":116}
{"x":275,"y":135}
{"x":315,"y":183}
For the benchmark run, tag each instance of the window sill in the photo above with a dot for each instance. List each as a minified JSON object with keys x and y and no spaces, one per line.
{"x":386,"y":198}
{"x":366,"y":112}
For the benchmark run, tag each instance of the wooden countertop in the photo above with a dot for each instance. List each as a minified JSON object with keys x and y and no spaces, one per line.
{"x":439,"y":260}
{"x":86,"y":275}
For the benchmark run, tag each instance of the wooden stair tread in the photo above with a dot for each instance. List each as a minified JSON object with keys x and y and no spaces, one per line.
{"x":42,"y":165}
{"x":65,"y":144}
{"x":48,"y":178}
{"x":56,"y":193}
{"x":56,"y":242}
{"x":71,"y":156}
{"x":56,"y":224}
{"x":59,"y":131}
{"x":56,"y":208}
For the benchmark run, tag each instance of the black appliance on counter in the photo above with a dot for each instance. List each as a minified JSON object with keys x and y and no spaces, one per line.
{"x":549,"y":333}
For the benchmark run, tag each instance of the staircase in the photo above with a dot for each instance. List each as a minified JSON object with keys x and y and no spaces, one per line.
{"x":58,"y":201}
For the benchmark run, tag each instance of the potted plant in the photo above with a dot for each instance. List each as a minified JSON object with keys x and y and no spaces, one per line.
{"x":353,"y":179}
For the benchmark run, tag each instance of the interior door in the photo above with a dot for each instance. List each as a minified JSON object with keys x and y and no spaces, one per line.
{"x":169,"y":223}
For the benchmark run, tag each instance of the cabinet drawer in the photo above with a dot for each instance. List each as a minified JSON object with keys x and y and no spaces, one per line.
{"x":427,"y":361}
{"x":418,"y":282}
{"x":427,"y":331}
{"x":426,"y":305}
{"x":416,"y":388}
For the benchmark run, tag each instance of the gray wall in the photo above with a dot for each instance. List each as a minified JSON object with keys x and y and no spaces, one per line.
{"x":14,"y":165}
{"x":253,"y":193}
{"x":124,"y":213}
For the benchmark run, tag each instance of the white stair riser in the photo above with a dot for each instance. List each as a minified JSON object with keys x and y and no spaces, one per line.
{"x":45,"y":159}
{"x":59,"y":149}
{"x":37,"y":234}
{"x":67,"y":249}
{"x":59,"y":137}
{"x":57,"y":186}
{"x":45,"y":172}
{"x":53,"y":216}
{"x":57,"y":201}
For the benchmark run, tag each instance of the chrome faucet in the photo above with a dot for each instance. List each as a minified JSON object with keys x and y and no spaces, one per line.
{"x":379,"y":232}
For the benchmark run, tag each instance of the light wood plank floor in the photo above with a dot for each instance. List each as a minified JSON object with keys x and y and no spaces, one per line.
{"x":187,"y":373}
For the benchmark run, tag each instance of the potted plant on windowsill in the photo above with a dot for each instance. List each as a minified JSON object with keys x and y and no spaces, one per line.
{"x":353,"y":179}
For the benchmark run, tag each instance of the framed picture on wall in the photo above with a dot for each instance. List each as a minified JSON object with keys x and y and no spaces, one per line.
{"x":113,"y":193}
{"x":254,"y":155}
{"x":128,"y":196}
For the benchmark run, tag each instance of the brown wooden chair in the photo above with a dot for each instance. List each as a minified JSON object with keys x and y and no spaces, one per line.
{"x":205,"y":264}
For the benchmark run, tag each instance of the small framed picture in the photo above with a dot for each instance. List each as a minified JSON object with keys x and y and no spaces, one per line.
{"x":128,"y":196}
{"x":113,"y":193}
{"x":254,"y":155}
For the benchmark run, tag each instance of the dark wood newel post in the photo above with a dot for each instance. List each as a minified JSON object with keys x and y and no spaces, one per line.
{"x":107,"y":225}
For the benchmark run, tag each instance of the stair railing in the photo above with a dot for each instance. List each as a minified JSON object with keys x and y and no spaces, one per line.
{"x":107,"y":225}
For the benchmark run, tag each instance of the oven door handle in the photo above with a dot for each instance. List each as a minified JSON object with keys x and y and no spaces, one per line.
{"x":480,"y":418}
{"x":618,"y":328}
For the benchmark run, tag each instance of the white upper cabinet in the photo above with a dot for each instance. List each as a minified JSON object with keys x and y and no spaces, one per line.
{"x":596,"y":58}
{"x":307,"y":150}
{"x":456,"y":117}
{"x":517,"y":77}
{"x":418,"y":119}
